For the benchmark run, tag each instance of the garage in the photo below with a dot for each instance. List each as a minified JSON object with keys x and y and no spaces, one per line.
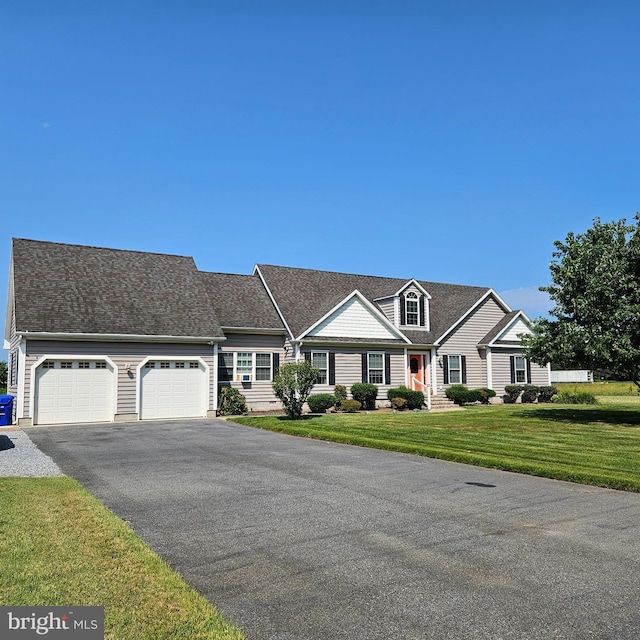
{"x":173,"y":389}
{"x":69,"y":391}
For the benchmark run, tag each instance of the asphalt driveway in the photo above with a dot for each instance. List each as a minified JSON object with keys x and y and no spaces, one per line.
{"x":299,"y":539}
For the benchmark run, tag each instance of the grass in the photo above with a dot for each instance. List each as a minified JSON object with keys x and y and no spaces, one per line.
{"x":604,"y":388}
{"x":60,"y":547}
{"x":597,"y":445}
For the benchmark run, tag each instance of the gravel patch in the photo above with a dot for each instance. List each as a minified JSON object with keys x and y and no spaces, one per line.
{"x":20,"y":457}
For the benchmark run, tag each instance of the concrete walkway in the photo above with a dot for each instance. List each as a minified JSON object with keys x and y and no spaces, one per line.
{"x":298,"y":539}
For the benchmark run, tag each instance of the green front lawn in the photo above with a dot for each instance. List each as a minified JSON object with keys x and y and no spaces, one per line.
{"x":60,"y":547}
{"x":597,"y":445}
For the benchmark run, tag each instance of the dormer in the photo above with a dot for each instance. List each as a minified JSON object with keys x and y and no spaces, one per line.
{"x":408,"y":308}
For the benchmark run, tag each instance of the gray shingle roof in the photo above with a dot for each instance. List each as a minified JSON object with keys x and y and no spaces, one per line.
{"x":500,"y":326}
{"x":241,"y":301}
{"x":63,"y":288}
{"x":306,"y":295}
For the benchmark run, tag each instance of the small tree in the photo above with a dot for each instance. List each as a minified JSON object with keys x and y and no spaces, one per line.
{"x":3,"y":374}
{"x":292,"y":385}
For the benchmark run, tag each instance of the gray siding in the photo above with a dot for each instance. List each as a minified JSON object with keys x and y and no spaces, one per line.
{"x":387,"y":307}
{"x":349,"y":368}
{"x":501,"y":366}
{"x":259,"y":393}
{"x":464,"y":341}
{"x":122,"y":354}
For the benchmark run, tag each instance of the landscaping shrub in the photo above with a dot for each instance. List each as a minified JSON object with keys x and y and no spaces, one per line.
{"x":399,"y":404}
{"x":340,"y":392}
{"x":513,"y":392}
{"x":415,"y":399}
{"x":350,"y":406}
{"x":545,"y":394}
{"x":365,"y":394}
{"x":320,"y":402}
{"x":462,"y":395}
{"x":530,"y":393}
{"x":575,"y":397}
{"x":485,"y":394}
{"x":232,"y":402}
{"x":292,"y":385}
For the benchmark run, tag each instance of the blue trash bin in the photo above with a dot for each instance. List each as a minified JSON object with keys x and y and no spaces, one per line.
{"x":6,"y":411}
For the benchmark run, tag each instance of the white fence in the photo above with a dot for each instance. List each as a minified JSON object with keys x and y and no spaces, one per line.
{"x":572,"y":376}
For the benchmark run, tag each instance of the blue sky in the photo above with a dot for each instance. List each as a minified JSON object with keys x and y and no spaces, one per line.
{"x":448,"y":141}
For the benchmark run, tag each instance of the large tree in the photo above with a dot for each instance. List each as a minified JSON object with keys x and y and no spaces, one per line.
{"x":595,"y":323}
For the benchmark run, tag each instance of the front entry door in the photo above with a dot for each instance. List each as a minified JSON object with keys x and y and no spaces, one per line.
{"x":417,"y":372}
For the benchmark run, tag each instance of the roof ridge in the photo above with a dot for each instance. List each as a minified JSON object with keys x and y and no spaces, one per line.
{"x":362,"y":275}
{"x":88,"y":246}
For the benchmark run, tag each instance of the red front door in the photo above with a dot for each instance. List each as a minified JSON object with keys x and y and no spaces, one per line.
{"x":416,"y":372}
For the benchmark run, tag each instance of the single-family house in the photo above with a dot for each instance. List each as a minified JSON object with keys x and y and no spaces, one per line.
{"x":97,"y":334}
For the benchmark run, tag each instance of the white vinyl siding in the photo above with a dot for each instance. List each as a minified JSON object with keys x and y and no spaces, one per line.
{"x":512,"y":332}
{"x":353,"y":320}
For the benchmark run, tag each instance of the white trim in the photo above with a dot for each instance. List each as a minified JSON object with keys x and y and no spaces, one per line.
{"x":407,"y":368}
{"x":415,"y":283}
{"x":326,"y":353}
{"x":256,"y":269}
{"x":165,"y":358}
{"x":489,"y":368}
{"x":370,"y":307}
{"x":520,"y":315}
{"x":377,"y":353}
{"x":67,"y":357}
{"x":215,"y":379}
{"x":20,"y":382}
{"x":434,"y":370}
{"x":464,"y":316}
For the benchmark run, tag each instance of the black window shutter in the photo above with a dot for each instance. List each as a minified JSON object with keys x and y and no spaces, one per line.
{"x":528,"y":372}
{"x":463,"y":360}
{"x":445,"y":369}
{"x":307,"y":356}
{"x":387,"y":368}
{"x":332,"y":368}
{"x":276,"y":364}
{"x":365,"y":373}
{"x":512,"y":364}
{"x":423,"y":306}
{"x":402,"y":309}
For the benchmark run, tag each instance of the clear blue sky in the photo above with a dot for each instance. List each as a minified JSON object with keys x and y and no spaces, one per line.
{"x":449,"y":141}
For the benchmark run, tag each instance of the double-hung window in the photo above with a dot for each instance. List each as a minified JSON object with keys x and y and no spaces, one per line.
{"x":520,"y":369}
{"x":412,"y":315}
{"x":263,"y":366}
{"x":455,"y":369}
{"x":245,"y":366}
{"x":375,"y":367}
{"x":320,"y":360}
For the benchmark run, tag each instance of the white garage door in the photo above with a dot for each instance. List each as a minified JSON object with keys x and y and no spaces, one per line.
{"x":73,"y":391}
{"x":171,"y":389}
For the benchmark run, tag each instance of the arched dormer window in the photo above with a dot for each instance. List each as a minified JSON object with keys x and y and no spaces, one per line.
{"x":412,"y":313}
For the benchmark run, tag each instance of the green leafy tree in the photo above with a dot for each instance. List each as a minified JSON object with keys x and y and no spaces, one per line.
{"x":595,"y":323}
{"x":3,"y":374}
{"x":292,"y":385}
